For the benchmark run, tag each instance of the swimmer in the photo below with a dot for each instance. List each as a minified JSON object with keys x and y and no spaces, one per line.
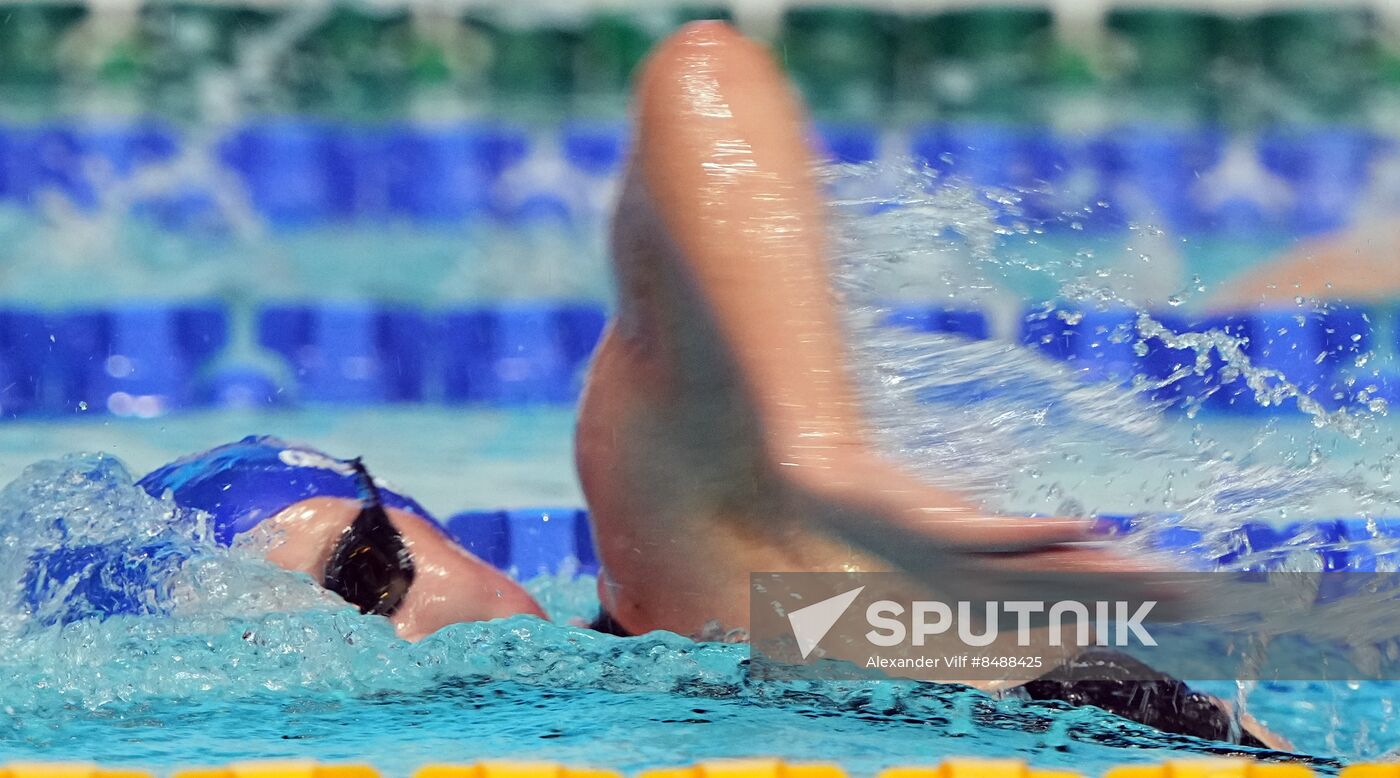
{"x":384,"y":553}
{"x":718,"y":434}
{"x":330,"y":519}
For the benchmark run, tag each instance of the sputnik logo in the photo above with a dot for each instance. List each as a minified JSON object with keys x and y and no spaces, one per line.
{"x":810,"y":624}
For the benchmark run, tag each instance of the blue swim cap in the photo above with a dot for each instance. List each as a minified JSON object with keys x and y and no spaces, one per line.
{"x":242,"y":483}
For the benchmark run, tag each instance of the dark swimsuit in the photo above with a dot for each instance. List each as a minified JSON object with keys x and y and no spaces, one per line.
{"x":606,"y":624}
{"x":1162,"y":702}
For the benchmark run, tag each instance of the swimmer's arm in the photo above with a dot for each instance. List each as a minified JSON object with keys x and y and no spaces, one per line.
{"x":1362,"y":265}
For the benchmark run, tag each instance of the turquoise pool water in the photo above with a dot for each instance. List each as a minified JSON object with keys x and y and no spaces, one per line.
{"x":450,"y":459}
{"x":248,"y":661}
{"x":253,"y":662}
{"x":453,"y":459}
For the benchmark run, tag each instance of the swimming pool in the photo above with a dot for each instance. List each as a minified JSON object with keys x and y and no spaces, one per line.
{"x":269,"y":667}
{"x":254,"y":663}
{"x":417,"y":211}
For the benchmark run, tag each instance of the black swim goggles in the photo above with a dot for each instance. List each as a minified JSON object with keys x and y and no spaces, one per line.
{"x":370,"y":567}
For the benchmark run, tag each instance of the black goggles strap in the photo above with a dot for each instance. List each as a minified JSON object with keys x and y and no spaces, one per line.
{"x":370,"y":567}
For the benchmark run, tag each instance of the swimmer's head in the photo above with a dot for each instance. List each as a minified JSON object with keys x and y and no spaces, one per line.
{"x":242,"y":484}
{"x":328,"y":518}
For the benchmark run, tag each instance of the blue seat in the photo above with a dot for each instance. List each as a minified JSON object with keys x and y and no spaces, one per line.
{"x":1329,"y":171}
{"x":26,"y":362}
{"x":849,"y":143}
{"x":447,"y":173}
{"x":77,"y":160}
{"x":1184,"y":544}
{"x":545,"y":541}
{"x":528,"y":542}
{"x":1370,"y":545}
{"x":350,"y":353}
{"x":1116,"y":523}
{"x":127,"y":147}
{"x":1361,"y":390}
{"x":1050,"y":330}
{"x":1085,"y":196}
{"x":288,"y":168}
{"x":240,"y":387}
{"x":484,"y":533}
{"x":44,"y":161}
{"x":595,"y":148}
{"x":1346,"y":333}
{"x":137,"y":360}
{"x":1258,"y":544}
{"x":1001,"y":157}
{"x":361,"y":166}
{"x":1289,"y":341}
{"x":581,"y":328}
{"x":1103,"y":346}
{"x":520,"y":353}
{"x":1159,"y":168}
{"x":185,"y":208}
{"x":1174,"y":367}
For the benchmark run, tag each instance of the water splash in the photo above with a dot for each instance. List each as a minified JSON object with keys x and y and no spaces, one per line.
{"x":231,"y":644}
{"x":215,"y":640}
{"x":1023,"y":431}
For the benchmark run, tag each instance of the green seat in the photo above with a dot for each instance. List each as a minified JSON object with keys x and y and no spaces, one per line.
{"x":1326,"y":57}
{"x":976,"y":63}
{"x":30,"y":41}
{"x":841,"y":59}
{"x":355,"y":64}
{"x":1166,"y":59}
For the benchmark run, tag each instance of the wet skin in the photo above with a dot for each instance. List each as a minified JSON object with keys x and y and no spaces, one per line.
{"x":719,"y":433}
{"x":1357,"y":266}
{"x":449,"y":585}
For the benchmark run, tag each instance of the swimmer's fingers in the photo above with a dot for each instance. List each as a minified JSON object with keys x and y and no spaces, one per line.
{"x":1086,"y":573}
{"x":935,"y":536}
{"x":963,"y":532}
{"x":874,"y":504}
{"x":1015,"y":558}
{"x":967,"y":532}
{"x":938,"y":521}
{"x":1069,"y":559}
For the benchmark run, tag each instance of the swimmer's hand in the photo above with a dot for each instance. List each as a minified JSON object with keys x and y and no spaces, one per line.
{"x":1253,"y":727}
{"x":936,"y":537}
